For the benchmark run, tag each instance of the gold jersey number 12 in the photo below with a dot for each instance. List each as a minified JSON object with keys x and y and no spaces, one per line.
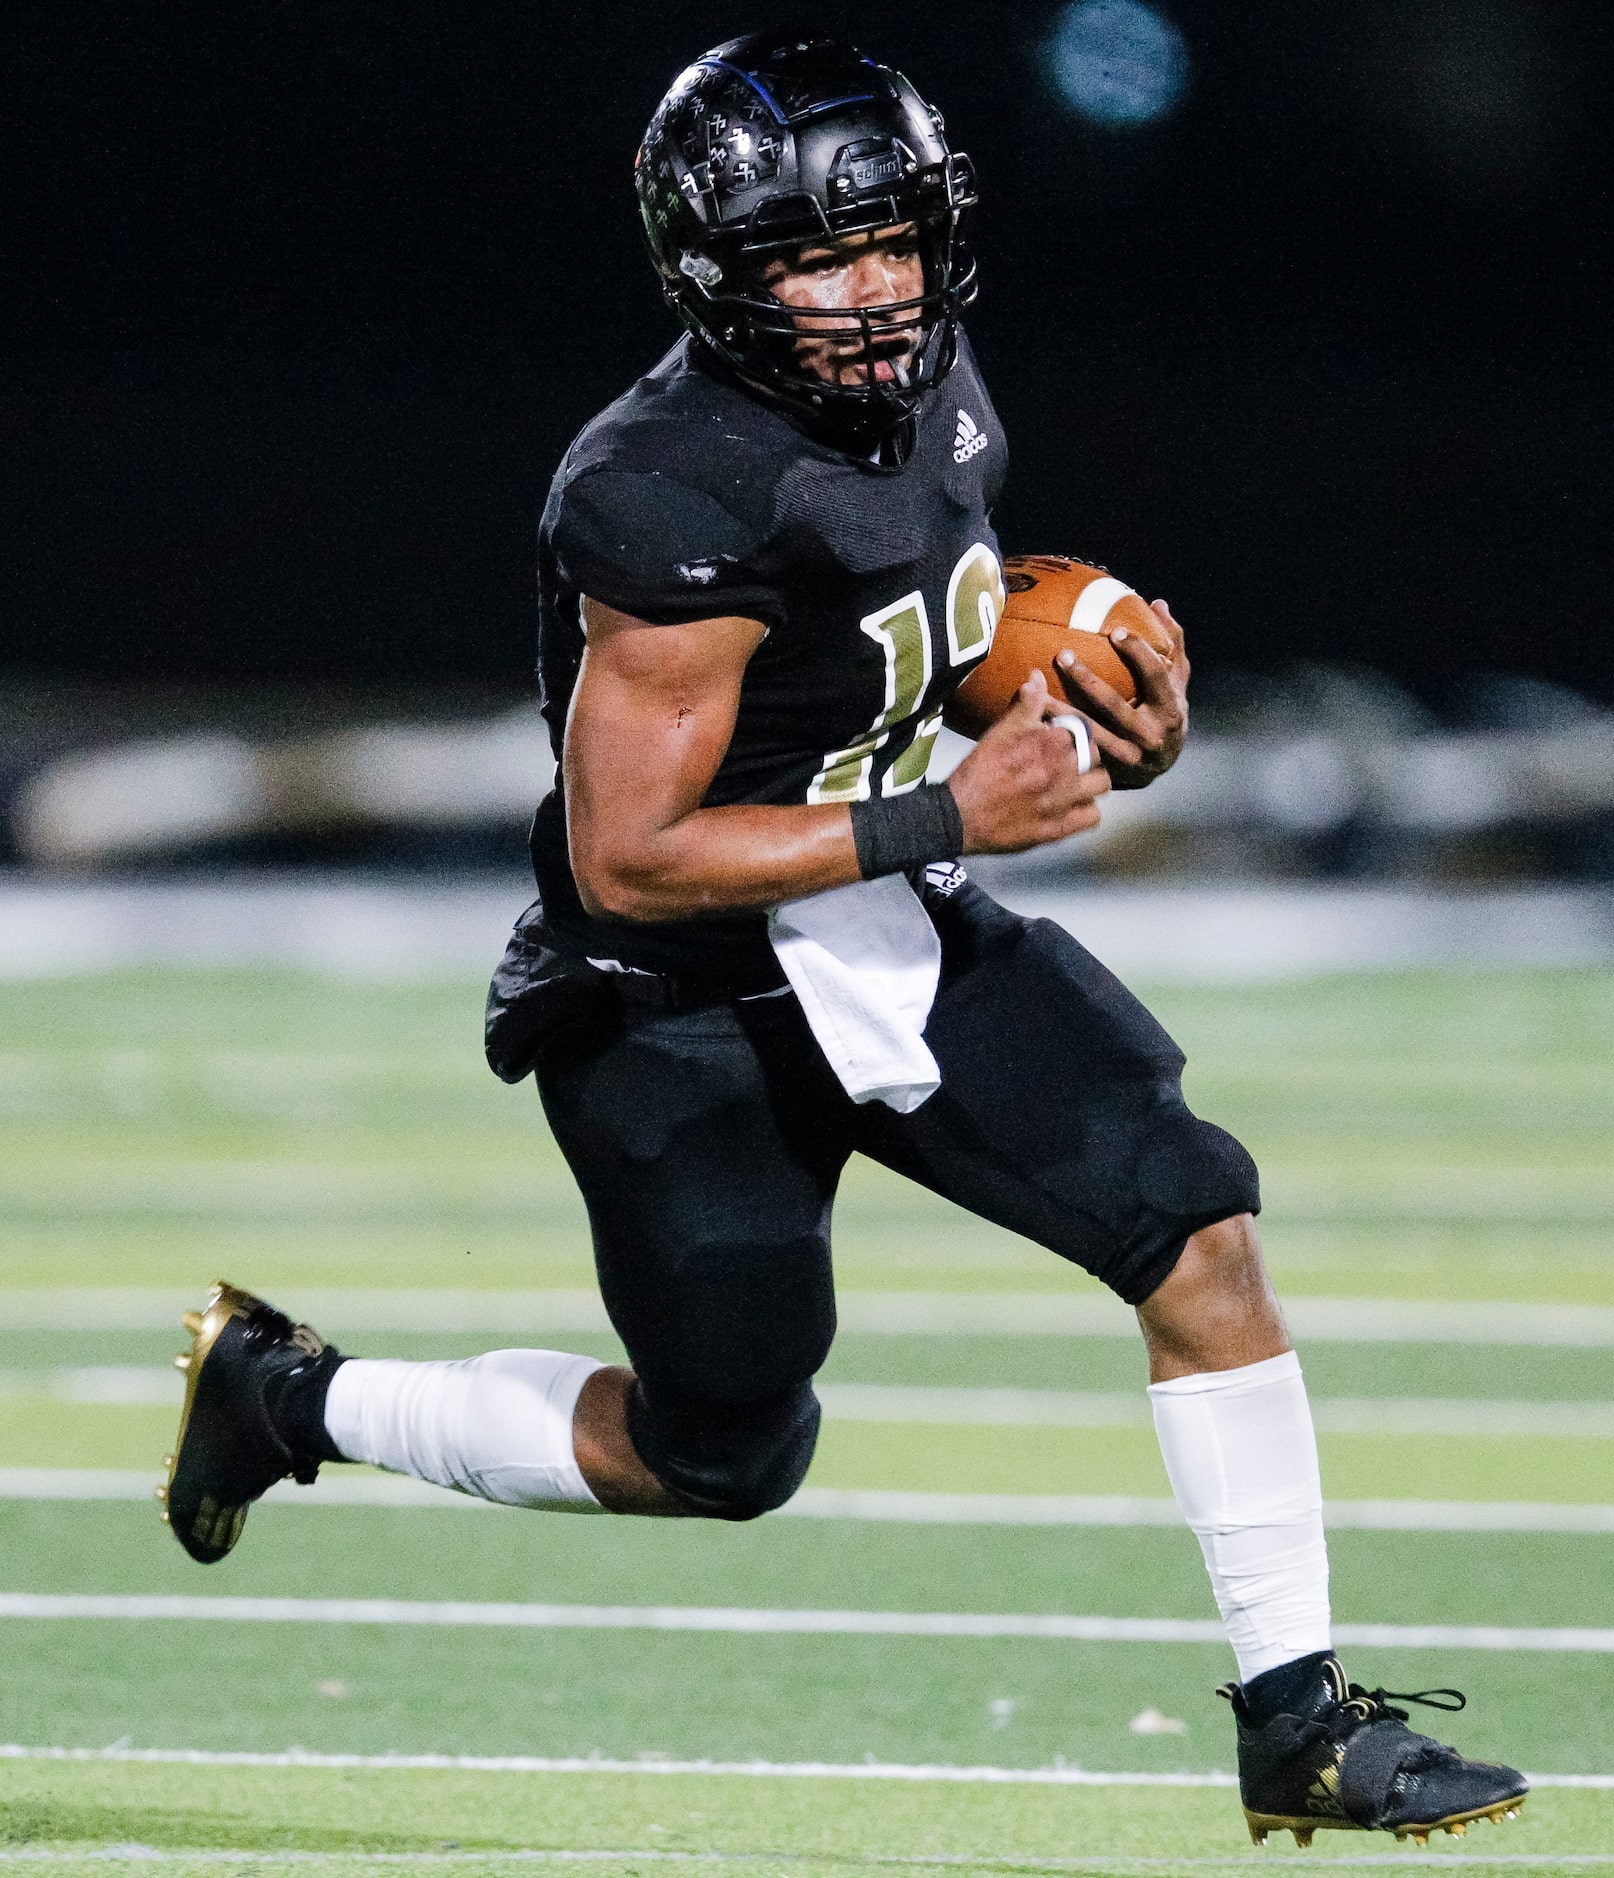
{"x":975,"y":600}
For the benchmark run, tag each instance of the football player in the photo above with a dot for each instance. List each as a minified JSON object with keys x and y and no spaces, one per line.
{"x":763,"y":573}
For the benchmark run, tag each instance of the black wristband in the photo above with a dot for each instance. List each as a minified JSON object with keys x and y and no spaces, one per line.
{"x":894,"y":833}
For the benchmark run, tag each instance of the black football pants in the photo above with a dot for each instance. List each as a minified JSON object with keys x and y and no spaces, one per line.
{"x":708,"y":1144}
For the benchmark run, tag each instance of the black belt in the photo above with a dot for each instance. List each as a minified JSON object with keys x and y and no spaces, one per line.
{"x":665,"y":992}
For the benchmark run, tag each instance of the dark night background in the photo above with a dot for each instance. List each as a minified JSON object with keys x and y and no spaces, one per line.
{"x":309,"y":300}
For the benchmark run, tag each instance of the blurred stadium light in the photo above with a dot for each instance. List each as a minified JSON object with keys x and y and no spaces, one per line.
{"x":1261,"y":790}
{"x":166,"y":797}
{"x":1436,"y":787}
{"x":1118,"y":62}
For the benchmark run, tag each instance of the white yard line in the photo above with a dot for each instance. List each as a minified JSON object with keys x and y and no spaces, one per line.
{"x":1476,"y":1416}
{"x":1058,"y":1775}
{"x":139,"y":1385}
{"x":1343,"y":1415}
{"x":631,"y":1857}
{"x":450,"y":1312}
{"x":861,"y":1313}
{"x":336,"y":1488}
{"x":112,"y":1385}
{"x":1164,"y":935}
{"x":80,"y":1607}
{"x":1031,"y":1509}
{"x":340,"y":1488}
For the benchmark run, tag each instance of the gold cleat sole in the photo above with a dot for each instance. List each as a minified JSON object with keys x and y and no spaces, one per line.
{"x":223,"y":1524}
{"x":1305,"y":1830}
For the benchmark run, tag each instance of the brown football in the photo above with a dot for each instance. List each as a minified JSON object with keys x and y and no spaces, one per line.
{"x":1054,"y":602}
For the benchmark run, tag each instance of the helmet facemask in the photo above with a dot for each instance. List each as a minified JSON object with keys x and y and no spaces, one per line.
{"x":885,"y":356}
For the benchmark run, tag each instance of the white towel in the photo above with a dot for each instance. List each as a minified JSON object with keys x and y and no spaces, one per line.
{"x":864,"y":962}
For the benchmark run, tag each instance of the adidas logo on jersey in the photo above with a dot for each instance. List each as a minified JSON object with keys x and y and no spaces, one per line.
{"x":969,"y":439}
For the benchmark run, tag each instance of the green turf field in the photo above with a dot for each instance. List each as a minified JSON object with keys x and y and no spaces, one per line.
{"x":1426,"y":1139}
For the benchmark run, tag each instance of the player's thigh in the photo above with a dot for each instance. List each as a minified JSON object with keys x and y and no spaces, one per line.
{"x":1061,"y":1114}
{"x":707,"y":1146}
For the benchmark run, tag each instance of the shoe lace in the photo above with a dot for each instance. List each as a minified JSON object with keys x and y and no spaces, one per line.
{"x":266,"y":1321}
{"x":1371,"y":1705}
{"x":1361,"y":1707}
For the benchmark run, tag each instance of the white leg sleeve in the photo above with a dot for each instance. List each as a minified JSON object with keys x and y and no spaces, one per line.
{"x":1242,"y":1456}
{"x":498,"y":1426}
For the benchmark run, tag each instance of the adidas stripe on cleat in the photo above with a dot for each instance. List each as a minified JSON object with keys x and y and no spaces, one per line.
{"x":1318,"y":1753}
{"x":245,"y":1371}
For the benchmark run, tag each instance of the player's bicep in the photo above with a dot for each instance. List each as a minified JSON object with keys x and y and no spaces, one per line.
{"x":651,"y":717}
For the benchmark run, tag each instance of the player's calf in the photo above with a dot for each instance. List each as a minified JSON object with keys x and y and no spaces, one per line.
{"x":1317,"y":1752}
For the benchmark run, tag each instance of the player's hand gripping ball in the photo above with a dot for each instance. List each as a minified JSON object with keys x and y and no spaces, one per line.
{"x":1055,"y":604}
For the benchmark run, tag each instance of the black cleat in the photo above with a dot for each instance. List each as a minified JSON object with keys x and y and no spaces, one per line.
{"x":234,"y":1440}
{"x":1316,"y":1752}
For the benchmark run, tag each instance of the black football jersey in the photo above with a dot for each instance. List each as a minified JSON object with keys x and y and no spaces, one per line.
{"x":880,"y":586}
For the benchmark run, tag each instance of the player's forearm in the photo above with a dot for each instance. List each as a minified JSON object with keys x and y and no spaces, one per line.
{"x":714,"y":861}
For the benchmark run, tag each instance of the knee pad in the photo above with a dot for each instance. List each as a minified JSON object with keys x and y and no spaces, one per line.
{"x":727,"y":1460}
{"x":1195,"y":1171}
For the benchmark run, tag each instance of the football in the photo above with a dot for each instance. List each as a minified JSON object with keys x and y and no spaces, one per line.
{"x":1053,"y":602}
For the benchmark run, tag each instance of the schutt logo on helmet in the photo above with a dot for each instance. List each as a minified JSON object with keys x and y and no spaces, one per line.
{"x":876,"y":169}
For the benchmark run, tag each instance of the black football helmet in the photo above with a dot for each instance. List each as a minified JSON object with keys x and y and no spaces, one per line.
{"x":779,"y":139}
